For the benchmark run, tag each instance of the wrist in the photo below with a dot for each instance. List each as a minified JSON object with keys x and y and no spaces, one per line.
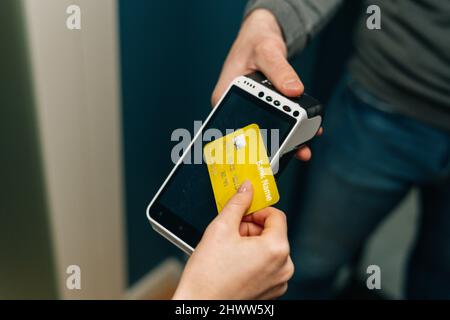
{"x":185,"y":291}
{"x":194,"y":290}
{"x":181,"y":294}
{"x":264,"y":20}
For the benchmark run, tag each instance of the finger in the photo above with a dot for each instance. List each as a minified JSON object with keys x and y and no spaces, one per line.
{"x":258,"y":217}
{"x":226,"y":77}
{"x":275,"y":225}
{"x":232,"y":68}
{"x":320,"y":132}
{"x":270,"y":59}
{"x":249,"y":229}
{"x":304,"y":154}
{"x":277,"y":285}
{"x":248,"y":218}
{"x":274,"y":292}
{"x":236,"y":207}
{"x":287,"y":270}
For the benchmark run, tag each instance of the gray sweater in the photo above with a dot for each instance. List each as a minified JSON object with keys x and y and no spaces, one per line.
{"x":406,"y":63}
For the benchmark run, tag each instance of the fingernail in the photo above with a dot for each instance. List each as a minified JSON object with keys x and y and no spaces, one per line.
{"x":244,"y":186}
{"x":292,"y":84}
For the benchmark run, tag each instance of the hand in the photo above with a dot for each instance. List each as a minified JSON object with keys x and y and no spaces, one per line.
{"x":260,"y":47}
{"x":240,"y":258}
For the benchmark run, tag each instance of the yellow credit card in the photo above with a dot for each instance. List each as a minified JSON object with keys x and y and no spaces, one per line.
{"x":237,"y":157}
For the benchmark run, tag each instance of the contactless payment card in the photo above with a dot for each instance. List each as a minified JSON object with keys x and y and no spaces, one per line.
{"x":237,"y":157}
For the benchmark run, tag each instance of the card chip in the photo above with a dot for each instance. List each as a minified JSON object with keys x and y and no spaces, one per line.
{"x":239,"y":141}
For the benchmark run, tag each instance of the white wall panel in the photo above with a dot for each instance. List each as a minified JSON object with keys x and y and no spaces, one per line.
{"x":76,"y":82}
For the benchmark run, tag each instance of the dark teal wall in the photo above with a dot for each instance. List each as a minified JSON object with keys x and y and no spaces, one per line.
{"x":172,"y":52}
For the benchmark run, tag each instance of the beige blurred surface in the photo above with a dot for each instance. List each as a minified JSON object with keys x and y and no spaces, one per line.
{"x":76,"y":79}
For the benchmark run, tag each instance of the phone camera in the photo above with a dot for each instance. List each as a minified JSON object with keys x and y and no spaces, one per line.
{"x":287,"y":108}
{"x":269,"y":99}
{"x":261,"y":94}
{"x":296,"y":113}
{"x":276,"y":103}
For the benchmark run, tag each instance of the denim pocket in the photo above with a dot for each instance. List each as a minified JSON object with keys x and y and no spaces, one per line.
{"x":367,"y":98}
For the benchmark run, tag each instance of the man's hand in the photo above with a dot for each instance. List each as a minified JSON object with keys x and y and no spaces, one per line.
{"x":260,"y":47}
{"x":240,"y":258}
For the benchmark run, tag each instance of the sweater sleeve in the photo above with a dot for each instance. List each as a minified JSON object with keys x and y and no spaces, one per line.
{"x":300,"y":20}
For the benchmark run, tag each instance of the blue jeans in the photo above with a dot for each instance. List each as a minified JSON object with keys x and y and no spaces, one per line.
{"x":362,"y":167}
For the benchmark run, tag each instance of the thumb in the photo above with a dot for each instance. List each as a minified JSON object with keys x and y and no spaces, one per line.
{"x":236,"y":207}
{"x":271,"y":60}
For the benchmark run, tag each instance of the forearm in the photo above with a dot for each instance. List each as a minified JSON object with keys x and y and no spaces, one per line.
{"x":300,"y":20}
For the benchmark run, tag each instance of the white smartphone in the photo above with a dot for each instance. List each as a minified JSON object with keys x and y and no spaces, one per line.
{"x":184,"y":205}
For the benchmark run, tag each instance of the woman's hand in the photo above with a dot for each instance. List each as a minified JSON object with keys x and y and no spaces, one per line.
{"x":240,"y":258}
